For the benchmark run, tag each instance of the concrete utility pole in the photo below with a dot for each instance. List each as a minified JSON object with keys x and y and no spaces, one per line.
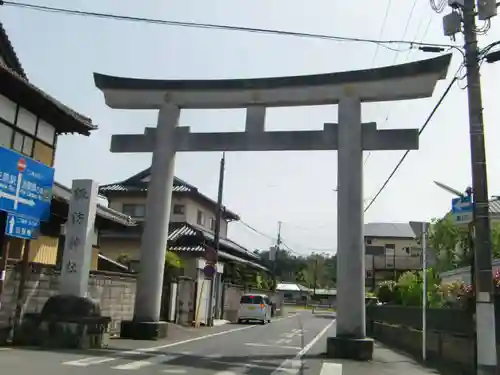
{"x":218,"y":218}
{"x":275,"y":255}
{"x":485,"y":308}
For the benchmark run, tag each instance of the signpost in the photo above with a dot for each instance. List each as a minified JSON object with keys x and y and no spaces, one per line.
{"x":462,"y":210}
{"x":25,"y":185}
{"x":21,"y":227}
{"x":421,"y":228}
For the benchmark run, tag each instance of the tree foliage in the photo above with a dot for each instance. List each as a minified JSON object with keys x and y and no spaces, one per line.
{"x":314,"y":270}
{"x":451,"y":245}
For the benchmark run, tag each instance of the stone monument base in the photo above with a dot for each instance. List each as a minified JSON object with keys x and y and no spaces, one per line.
{"x":131,"y":329}
{"x":359,"y":349}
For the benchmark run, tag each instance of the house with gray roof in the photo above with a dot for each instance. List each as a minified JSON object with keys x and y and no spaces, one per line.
{"x":390,"y":250}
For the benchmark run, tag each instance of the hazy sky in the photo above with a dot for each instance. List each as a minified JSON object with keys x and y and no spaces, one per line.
{"x":60,"y":53}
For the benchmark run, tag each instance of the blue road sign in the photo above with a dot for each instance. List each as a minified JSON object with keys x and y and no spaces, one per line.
{"x":25,"y":185}
{"x":461,"y":205}
{"x":21,"y":227}
{"x":209,"y":270}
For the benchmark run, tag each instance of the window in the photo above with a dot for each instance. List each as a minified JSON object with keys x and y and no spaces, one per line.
{"x":390,"y":248}
{"x":134,"y":210}
{"x":251,"y":300}
{"x":199,"y":217}
{"x":211,"y":223}
{"x":7,"y":109}
{"x":43,"y":153}
{"x":45,"y":132}
{"x":23,"y":144}
{"x":5,"y":135}
{"x":179,"y":209}
{"x":368,"y":241}
{"x":26,"y":121}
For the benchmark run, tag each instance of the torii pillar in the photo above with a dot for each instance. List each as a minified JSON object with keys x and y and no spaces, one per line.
{"x":350,"y":137}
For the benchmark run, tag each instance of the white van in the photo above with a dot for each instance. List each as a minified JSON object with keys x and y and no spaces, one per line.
{"x":255,"y":307}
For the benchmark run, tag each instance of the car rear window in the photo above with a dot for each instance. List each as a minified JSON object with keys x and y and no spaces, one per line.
{"x":251,"y":300}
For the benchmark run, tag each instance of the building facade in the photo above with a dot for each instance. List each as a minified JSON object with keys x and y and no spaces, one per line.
{"x":390,"y":250}
{"x":30,"y":123}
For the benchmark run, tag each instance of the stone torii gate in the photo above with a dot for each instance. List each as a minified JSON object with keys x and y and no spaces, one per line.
{"x":350,"y":137}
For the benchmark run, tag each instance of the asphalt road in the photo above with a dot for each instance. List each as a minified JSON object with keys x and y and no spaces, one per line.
{"x":293,"y":345}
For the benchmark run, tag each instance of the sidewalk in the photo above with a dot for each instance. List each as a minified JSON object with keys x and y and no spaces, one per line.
{"x":385,"y":362}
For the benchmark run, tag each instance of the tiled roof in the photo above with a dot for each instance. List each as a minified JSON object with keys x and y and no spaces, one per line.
{"x":178,"y":231}
{"x":139,"y":183}
{"x":196,"y":248}
{"x":9,"y":53}
{"x":392,"y":230}
{"x":495,"y":206}
{"x":62,"y":192}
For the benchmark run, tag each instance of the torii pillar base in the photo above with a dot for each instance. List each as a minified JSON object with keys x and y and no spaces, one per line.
{"x":131,"y":329}
{"x":358,"y":349}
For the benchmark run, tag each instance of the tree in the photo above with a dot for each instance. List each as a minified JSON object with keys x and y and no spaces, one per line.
{"x":449,"y":243}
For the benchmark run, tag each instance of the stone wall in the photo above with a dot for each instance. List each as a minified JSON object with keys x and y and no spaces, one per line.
{"x":115,"y":292}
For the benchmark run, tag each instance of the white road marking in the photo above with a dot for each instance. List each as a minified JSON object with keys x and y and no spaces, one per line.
{"x":273,"y":346}
{"x":283,"y":341}
{"x":330,"y":368}
{"x":290,"y":365}
{"x":214,"y":355}
{"x":175,"y":371}
{"x":225,"y":373}
{"x":135,"y":365}
{"x":5,"y":349}
{"x":84,"y":362}
{"x":245,"y":365}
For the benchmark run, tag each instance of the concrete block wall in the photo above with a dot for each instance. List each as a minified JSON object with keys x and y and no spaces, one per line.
{"x":115,"y":292}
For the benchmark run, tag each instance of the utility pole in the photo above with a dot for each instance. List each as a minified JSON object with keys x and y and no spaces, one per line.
{"x":465,"y":12}
{"x":274,"y":255}
{"x":315,"y":276}
{"x":218,"y":217}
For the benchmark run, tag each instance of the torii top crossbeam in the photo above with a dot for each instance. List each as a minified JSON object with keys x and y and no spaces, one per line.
{"x":399,"y":82}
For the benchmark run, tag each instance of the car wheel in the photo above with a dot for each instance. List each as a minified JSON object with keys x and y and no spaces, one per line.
{"x":240,"y":321}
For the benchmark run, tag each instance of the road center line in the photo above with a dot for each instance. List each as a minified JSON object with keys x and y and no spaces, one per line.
{"x":287,"y":363}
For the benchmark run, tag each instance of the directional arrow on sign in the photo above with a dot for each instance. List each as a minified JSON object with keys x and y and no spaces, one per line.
{"x":15,"y":198}
{"x":12,"y":222}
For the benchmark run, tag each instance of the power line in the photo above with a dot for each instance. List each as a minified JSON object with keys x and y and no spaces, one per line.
{"x":256,"y":230}
{"x":74,"y":12}
{"x":405,"y":30}
{"x":382,"y":28}
{"x":434,"y":110}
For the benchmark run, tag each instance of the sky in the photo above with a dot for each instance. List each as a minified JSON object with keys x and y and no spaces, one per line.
{"x":60,"y":53}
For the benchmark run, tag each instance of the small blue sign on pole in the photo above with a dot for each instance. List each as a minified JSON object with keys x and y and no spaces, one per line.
{"x":25,"y":185}
{"x":209,"y":270}
{"x":462,"y":210}
{"x":21,"y":227}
